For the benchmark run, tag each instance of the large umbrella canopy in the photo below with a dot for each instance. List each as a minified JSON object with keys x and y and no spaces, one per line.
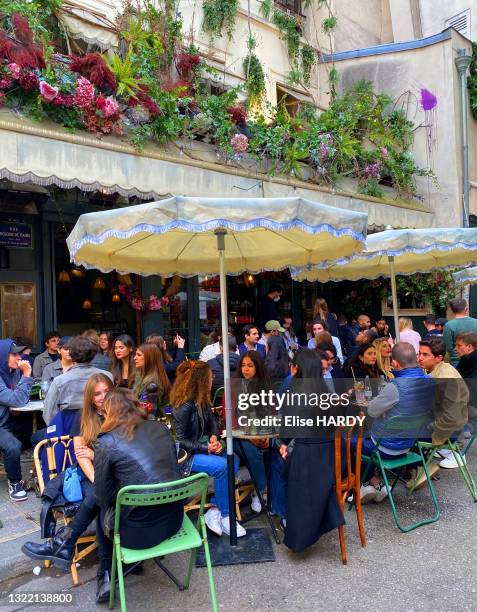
{"x":176,"y":235}
{"x":404,"y":251}
{"x":414,"y":250}
{"x":466,"y":277}
{"x":189,"y":236}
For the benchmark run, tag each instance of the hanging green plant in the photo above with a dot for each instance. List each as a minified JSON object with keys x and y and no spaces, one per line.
{"x":308,"y":60}
{"x":255,"y":78}
{"x":219,"y":17}
{"x":291,"y":31}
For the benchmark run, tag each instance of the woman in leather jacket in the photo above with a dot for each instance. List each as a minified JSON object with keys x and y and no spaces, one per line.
{"x":84,"y":430}
{"x":133,"y":451}
{"x":197,"y":432}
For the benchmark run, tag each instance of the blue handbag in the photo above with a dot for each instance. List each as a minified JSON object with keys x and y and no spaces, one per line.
{"x":72,"y":491}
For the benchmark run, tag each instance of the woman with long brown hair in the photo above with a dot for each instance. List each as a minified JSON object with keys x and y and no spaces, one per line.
{"x":197,"y":432}
{"x":150,"y":370}
{"x":85,"y":430}
{"x":170,"y":364}
{"x":133,"y":451}
{"x":122,"y":367}
{"x":320,"y":311}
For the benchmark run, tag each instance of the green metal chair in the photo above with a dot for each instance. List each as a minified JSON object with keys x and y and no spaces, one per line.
{"x":395,"y":425}
{"x":217,"y":400}
{"x":189,"y":537}
{"x":432,"y":449}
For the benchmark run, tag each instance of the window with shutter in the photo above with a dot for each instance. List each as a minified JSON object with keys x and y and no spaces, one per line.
{"x":460,"y":22}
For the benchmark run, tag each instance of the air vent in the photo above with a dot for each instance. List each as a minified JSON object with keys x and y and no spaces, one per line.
{"x":461,"y":23}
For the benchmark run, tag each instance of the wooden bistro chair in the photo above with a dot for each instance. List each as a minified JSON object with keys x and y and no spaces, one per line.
{"x":48,"y":446}
{"x":350,"y":481}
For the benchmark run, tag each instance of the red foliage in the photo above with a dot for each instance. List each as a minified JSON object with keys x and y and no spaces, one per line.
{"x":102,"y":126}
{"x":185,"y":88}
{"x":23,"y":31}
{"x":237,"y":113}
{"x":144,"y":99}
{"x":186,"y":62}
{"x":28,"y":81}
{"x":94,"y":68}
{"x":20,"y":48}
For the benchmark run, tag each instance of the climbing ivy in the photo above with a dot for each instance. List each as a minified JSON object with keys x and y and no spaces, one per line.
{"x":219,"y":17}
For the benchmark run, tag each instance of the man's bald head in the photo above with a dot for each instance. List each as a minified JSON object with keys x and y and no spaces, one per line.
{"x":404,"y":354}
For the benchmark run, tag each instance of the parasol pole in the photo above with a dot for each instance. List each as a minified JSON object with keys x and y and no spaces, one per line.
{"x":220,"y":233}
{"x":392,"y":272}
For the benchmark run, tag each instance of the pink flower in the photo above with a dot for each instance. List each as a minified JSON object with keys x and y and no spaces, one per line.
{"x":108,"y":106}
{"x":28,"y":81}
{"x":137,"y":303}
{"x":384,"y":152}
{"x":14,"y":70}
{"x":63,"y":100}
{"x":239,"y":143}
{"x":48,"y":92}
{"x":6,"y":82}
{"x":84,"y":93}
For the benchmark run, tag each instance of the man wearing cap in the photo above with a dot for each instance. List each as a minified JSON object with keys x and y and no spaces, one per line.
{"x":15,"y":385}
{"x":440,"y":322}
{"x":61,"y":365}
{"x":272,"y":328}
{"x":48,"y":356}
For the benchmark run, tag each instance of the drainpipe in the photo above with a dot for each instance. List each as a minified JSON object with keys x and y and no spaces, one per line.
{"x":462,"y":62}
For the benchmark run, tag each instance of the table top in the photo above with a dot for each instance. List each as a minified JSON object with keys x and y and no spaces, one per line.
{"x":32,"y":406}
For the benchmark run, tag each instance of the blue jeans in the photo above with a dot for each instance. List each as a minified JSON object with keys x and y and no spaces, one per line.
{"x":11,"y":448}
{"x":216,"y":466}
{"x":254,"y":458}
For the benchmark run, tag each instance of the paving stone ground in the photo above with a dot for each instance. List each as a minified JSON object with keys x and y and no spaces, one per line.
{"x":431,"y":568}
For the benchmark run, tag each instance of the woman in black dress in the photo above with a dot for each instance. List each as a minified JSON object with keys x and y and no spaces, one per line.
{"x":311,"y":504}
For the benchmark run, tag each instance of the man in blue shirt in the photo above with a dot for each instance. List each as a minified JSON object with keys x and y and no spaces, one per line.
{"x":15,"y":385}
{"x":250,"y":343}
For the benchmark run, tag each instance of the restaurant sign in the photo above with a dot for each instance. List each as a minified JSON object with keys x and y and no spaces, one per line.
{"x":16,"y":235}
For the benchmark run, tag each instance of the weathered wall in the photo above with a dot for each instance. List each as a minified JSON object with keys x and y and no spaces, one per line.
{"x":435,"y":13}
{"x":362,"y":24}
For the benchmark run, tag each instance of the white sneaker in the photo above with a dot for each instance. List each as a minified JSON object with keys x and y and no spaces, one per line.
{"x":213,"y":520}
{"x":444,"y":453}
{"x":225,"y":523}
{"x":256,"y":505}
{"x":367,"y":493}
{"x":451,"y":462}
{"x":381,"y":493}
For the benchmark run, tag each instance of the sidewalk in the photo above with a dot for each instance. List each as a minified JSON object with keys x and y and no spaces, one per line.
{"x":433,"y":567}
{"x":21,"y":522}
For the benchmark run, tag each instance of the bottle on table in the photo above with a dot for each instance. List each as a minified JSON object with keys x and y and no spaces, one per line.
{"x":368,"y":392}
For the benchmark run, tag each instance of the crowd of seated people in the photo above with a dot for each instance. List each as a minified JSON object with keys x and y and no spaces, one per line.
{"x":105,"y":405}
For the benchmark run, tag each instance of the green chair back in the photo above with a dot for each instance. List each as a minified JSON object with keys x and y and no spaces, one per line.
{"x":164,"y":493}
